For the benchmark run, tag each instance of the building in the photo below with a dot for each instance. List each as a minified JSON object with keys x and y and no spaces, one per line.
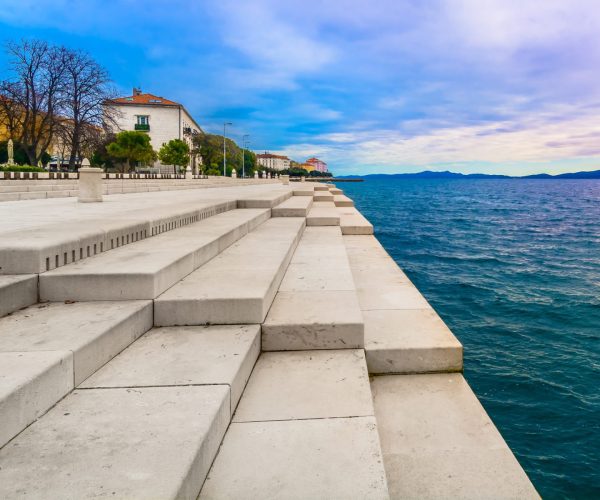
{"x":162,"y":119}
{"x":276,"y":162}
{"x":319,"y":166}
{"x":307,"y":166}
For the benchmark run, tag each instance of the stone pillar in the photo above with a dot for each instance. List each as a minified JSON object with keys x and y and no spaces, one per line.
{"x":302,"y":179}
{"x":256,"y":174}
{"x":233,"y":174}
{"x":90,"y":183}
{"x":189,"y":175}
{"x":285,"y":179}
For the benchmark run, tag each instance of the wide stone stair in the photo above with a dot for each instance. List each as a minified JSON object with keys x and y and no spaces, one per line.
{"x":229,"y":356}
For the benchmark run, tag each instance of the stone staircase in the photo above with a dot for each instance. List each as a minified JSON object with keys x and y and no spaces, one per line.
{"x":228,"y":356}
{"x":36,"y":189}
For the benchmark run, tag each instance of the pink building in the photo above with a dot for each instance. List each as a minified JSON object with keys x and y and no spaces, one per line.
{"x":320,"y":166}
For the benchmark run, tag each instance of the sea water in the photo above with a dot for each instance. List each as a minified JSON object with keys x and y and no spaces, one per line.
{"x":513,"y":268}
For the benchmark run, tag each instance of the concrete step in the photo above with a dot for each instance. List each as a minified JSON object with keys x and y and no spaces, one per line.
{"x":304,"y":190}
{"x":238,"y":286}
{"x":353,"y":222}
{"x":296,"y":206}
{"x":323,"y":213}
{"x":341,"y":200}
{"x":335,"y":191}
{"x":265,"y":200}
{"x":147,"y":268}
{"x":90,"y":229}
{"x":316,"y":306}
{"x":185,"y":355}
{"x":403,"y":334}
{"x":304,"y":428}
{"x":143,"y":442}
{"x":438,"y":441}
{"x":47,"y":349}
{"x":17,"y":291}
{"x":321,"y":187}
{"x":323,"y":196}
{"x":30,"y":383}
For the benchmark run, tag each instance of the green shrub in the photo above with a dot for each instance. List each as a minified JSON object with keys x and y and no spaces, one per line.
{"x":20,"y":168}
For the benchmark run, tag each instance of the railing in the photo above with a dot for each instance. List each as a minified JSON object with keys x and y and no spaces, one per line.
{"x":75,"y":175}
{"x":145,"y":127}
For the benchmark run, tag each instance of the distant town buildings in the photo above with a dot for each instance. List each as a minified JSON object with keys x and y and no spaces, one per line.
{"x":162,"y":119}
{"x":279,"y":162}
{"x":319,"y":165}
{"x":276,"y":162}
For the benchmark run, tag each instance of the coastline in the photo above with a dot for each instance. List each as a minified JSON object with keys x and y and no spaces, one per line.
{"x":361,"y":366}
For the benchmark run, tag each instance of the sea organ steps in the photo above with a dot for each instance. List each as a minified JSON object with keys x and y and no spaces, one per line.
{"x":75,"y":358}
{"x":237,"y":286}
{"x":149,"y":267}
{"x":168,"y":416}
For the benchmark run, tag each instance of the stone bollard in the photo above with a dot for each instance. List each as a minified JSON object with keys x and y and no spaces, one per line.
{"x":233,"y":174}
{"x":256,"y":174}
{"x":285,"y":179}
{"x":189,"y":175}
{"x":90,"y":183}
{"x":302,"y":179}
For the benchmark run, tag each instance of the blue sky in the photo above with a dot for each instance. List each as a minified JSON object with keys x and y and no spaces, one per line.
{"x":494,"y":86}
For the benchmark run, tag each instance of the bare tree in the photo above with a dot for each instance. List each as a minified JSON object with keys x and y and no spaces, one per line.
{"x":37,"y":90}
{"x":10,"y":112}
{"x":86,"y":90}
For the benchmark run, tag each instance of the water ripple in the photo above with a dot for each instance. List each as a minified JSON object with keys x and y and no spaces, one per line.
{"x":513,"y":267}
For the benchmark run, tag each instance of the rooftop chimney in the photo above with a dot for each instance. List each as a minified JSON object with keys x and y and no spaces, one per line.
{"x":137,"y":91}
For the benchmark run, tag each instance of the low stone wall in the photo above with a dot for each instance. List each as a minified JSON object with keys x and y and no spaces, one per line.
{"x":13,"y":189}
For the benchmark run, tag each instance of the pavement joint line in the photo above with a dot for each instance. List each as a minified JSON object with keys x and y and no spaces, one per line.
{"x":299,"y":419}
{"x":146,"y":386}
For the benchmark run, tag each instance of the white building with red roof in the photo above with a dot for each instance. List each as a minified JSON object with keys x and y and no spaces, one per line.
{"x":276,"y":162}
{"x":162,"y":119}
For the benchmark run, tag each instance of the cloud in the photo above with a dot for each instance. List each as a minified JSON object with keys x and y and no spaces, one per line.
{"x":391,"y":84}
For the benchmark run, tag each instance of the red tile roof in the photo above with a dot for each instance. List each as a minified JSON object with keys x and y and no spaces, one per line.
{"x":270,"y":155}
{"x":145,"y":99}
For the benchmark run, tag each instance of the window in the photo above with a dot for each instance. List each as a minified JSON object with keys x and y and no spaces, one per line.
{"x":142,"y":119}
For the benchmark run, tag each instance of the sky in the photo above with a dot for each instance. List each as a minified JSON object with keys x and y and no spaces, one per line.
{"x":380,"y":86}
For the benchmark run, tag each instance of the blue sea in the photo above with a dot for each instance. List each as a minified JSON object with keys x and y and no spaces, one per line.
{"x":513,"y":267}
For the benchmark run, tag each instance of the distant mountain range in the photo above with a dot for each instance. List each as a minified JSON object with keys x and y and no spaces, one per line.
{"x":428,"y":174}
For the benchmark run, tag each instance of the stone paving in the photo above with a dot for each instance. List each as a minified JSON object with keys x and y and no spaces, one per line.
{"x":247,"y":341}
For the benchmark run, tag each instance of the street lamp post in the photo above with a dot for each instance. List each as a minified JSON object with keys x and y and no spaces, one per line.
{"x":244,"y":137}
{"x":225,"y":150}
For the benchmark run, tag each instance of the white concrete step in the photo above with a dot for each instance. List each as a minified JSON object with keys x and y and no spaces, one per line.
{"x":353,"y":222}
{"x":323,"y":213}
{"x":322,"y":187}
{"x":47,"y":349}
{"x":335,"y":191}
{"x":304,"y":428}
{"x":142,"y":442}
{"x":438,"y":441}
{"x":90,"y":230}
{"x":304,"y":190}
{"x":265,"y":200}
{"x":147,"y":268}
{"x":341,"y":200}
{"x":296,"y":206}
{"x":185,"y":355}
{"x":30,"y":384}
{"x":17,"y":291}
{"x":403,"y":334}
{"x":316,"y":306}
{"x":237,"y":286}
{"x":323,"y":196}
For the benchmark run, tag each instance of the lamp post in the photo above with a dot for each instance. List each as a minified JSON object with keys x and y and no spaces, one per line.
{"x":225,"y":150}
{"x":244,"y":141}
